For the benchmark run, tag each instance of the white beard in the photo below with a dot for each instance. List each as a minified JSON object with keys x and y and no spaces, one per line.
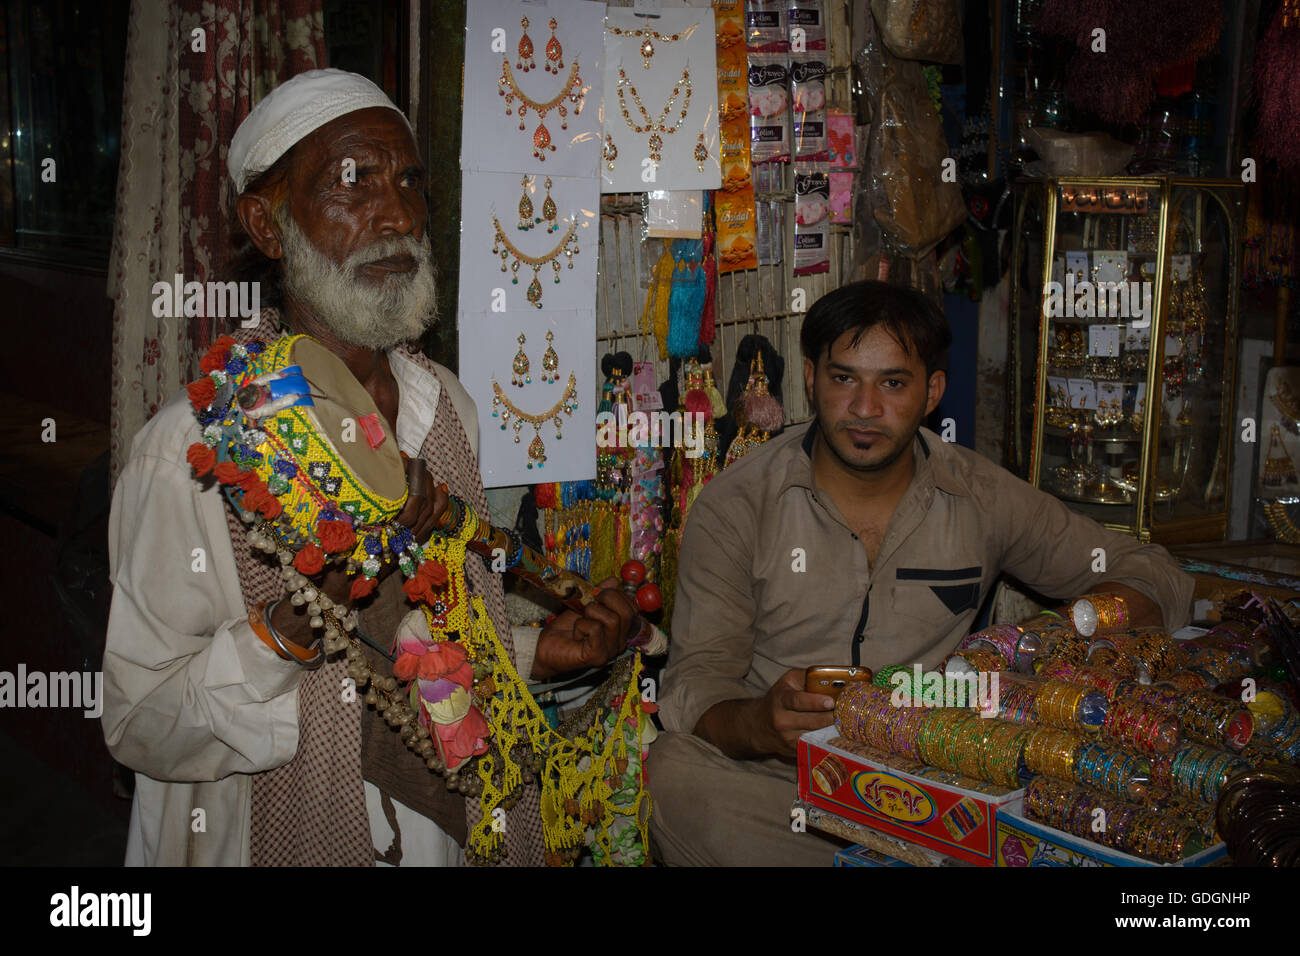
{"x":357,"y":311}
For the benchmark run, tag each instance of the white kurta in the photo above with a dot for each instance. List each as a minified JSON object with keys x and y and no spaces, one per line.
{"x":194,"y":700}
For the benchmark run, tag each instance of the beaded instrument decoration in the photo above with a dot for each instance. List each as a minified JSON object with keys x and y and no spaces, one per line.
{"x":269,"y":438}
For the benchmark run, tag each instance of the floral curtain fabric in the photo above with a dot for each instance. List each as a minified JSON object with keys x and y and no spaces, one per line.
{"x":194,"y":69}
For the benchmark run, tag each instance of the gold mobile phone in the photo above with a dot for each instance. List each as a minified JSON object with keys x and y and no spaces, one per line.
{"x":831,"y":681}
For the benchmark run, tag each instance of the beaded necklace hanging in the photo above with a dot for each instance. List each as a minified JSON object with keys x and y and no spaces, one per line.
{"x":568,"y":404}
{"x":654,"y":127}
{"x":647,"y":37}
{"x":571,"y":90}
{"x":503,"y":247}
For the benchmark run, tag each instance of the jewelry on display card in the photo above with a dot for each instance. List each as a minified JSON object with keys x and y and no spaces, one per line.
{"x":1083,"y":393}
{"x":1103,"y":340}
{"x":508,"y":270}
{"x":532,"y":377}
{"x":1137,"y":337}
{"x":660,"y":111}
{"x":1076,"y":263}
{"x":532,"y":86}
{"x":1111,"y":393}
{"x":1110,"y":266}
{"x":1181,"y":267}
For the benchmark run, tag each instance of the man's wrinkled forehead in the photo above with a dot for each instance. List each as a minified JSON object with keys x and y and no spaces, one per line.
{"x":368,"y":138}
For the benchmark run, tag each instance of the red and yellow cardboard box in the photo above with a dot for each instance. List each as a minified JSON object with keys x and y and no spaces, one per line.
{"x":960,"y":823}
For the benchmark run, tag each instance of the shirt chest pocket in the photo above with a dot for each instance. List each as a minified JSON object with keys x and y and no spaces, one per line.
{"x":937,"y":593}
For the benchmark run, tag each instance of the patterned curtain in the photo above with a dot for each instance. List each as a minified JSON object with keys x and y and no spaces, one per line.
{"x":180,"y":107}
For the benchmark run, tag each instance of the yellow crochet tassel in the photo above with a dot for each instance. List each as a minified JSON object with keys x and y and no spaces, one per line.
{"x":656,"y":302}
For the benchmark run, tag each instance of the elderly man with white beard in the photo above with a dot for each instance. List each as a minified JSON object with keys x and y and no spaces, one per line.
{"x":242,"y":754}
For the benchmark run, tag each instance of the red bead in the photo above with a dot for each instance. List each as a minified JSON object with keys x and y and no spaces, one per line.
{"x":633,"y":572}
{"x":648,"y":597}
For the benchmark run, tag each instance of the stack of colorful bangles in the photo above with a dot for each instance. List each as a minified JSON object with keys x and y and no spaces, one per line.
{"x":1120,"y":721}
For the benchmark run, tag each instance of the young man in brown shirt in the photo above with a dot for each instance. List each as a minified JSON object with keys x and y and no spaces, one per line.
{"x":860,"y":538}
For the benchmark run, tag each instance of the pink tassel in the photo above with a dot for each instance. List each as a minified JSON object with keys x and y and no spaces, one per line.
{"x":761,"y":410}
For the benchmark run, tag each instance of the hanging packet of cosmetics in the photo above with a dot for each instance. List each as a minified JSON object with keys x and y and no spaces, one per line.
{"x":808,"y":98}
{"x":812,"y":226}
{"x":765,"y":26}
{"x":806,"y":21}
{"x":769,"y":107}
{"x":737,"y":229}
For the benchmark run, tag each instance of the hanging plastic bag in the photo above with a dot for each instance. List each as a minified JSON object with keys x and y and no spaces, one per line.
{"x":921,"y":29}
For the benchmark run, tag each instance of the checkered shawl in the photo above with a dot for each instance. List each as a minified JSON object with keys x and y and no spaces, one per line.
{"x":312,"y":811}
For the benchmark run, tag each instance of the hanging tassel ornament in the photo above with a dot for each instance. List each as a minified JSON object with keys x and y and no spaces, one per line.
{"x":686,"y":300}
{"x":697,"y":400}
{"x":707,"y":319}
{"x":655,"y":316}
{"x":757,"y":405}
{"x":711,"y":390}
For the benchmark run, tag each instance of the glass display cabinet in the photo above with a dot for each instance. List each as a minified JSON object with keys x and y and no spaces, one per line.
{"x":1123,"y":326}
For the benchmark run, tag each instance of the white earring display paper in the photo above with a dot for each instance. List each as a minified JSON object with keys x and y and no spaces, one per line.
{"x":548,"y":79}
{"x":548,"y":267}
{"x":531,"y":436}
{"x":659,"y":121}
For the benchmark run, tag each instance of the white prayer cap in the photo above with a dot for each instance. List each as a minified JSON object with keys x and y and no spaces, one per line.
{"x":291,"y":111}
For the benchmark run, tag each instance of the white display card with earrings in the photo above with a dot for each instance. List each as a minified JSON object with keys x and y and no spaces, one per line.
{"x":660,"y":116}
{"x":532,"y":86}
{"x":528,"y":323}
{"x":550,"y":265}
{"x":532,"y":378}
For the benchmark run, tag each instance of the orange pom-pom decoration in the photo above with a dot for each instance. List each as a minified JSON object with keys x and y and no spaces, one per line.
{"x":416,"y":588}
{"x":228,"y":473}
{"x":361,"y":587}
{"x":201,"y":393}
{"x":217,"y":355}
{"x":434,"y":573}
{"x":270,"y":508}
{"x":309,"y":560}
{"x":201,"y":458}
{"x":336,"y":536}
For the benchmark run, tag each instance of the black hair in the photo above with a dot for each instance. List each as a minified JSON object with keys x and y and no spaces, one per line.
{"x":908,"y":315}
